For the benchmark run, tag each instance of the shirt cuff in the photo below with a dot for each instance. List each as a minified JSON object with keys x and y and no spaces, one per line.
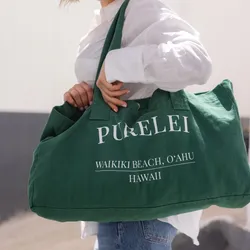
{"x":125,"y":65}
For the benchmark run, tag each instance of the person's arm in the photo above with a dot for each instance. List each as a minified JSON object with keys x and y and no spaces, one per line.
{"x":171,"y":55}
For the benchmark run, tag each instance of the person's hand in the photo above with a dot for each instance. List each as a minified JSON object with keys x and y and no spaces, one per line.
{"x":80,"y":96}
{"x":111,"y":93}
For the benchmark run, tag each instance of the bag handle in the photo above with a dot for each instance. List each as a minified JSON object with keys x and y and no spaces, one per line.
{"x":179,"y":100}
{"x":99,"y":109}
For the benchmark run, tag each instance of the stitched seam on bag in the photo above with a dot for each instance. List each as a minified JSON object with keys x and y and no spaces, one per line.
{"x":172,"y":204}
{"x":33,"y":191}
{"x":31,"y":187}
{"x":31,"y":194}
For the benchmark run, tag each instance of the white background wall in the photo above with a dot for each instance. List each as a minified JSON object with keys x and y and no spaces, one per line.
{"x":225,"y":32}
{"x":38,"y":44}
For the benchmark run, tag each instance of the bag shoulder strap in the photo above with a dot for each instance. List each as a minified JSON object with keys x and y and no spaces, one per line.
{"x":99,"y":109}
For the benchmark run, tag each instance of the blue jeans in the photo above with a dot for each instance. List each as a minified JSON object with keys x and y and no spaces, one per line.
{"x":143,"y":235}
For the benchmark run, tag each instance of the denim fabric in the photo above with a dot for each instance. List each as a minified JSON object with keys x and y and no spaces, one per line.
{"x":143,"y":235}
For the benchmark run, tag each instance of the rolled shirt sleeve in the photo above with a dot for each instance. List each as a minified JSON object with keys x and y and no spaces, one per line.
{"x":169,"y":53}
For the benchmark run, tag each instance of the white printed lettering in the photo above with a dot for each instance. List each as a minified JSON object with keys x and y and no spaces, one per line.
{"x":184,"y":157}
{"x":132,"y":178}
{"x":185,"y":124}
{"x":128,"y":130}
{"x":191,"y":156}
{"x":135,"y":164}
{"x":107,"y":164}
{"x":102,"y":133}
{"x":145,"y":177}
{"x":99,"y":164}
{"x":158,"y":161}
{"x":144,"y":128}
{"x":170,"y":159}
{"x":178,"y":158}
{"x":113,"y":165}
{"x":156,"y":126}
{"x":115,"y":132}
{"x":151,"y":162}
{"x":173,"y":124}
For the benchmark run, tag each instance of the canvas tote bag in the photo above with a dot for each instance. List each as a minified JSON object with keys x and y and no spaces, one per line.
{"x":168,"y":154}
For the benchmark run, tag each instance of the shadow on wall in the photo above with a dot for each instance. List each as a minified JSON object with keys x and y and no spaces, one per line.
{"x":19,"y":135}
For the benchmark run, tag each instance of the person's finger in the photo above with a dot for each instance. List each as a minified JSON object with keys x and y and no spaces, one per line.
{"x":114,"y":101}
{"x":76,"y":96}
{"x":89,"y":92}
{"x":103,"y":83}
{"x":69,"y":99}
{"x":112,"y":106}
{"x":111,"y":87}
{"x":117,"y":86}
{"x":117,"y":93}
{"x":83,"y":95}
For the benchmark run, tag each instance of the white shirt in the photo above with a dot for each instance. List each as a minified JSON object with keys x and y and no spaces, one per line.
{"x":159,"y":50}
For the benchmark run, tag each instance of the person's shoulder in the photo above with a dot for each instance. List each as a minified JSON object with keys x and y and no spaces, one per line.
{"x":160,"y":6}
{"x":150,"y":3}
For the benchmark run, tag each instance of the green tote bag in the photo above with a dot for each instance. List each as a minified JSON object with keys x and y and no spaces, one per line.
{"x":165,"y":155}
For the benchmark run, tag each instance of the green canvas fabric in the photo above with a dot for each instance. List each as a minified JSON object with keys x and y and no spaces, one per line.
{"x":168,"y":154}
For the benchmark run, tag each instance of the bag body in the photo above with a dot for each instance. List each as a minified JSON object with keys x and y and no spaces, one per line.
{"x":165,"y":155}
